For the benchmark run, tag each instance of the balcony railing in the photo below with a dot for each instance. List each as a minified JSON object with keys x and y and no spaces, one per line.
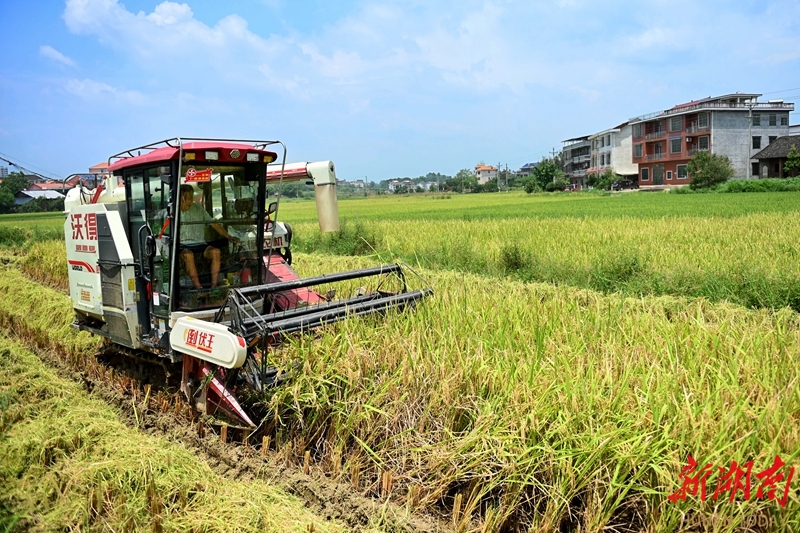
{"x":694,"y":128}
{"x":784,"y":106}
{"x":656,"y":135}
{"x":693,"y":151}
{"x":656,"y":156}
{"x":581,"y":159}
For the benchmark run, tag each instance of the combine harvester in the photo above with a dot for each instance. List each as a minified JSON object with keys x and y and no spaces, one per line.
{"x":176,"y":258}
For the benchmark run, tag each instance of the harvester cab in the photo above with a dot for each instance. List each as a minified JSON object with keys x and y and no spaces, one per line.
{"x":178,"y":255}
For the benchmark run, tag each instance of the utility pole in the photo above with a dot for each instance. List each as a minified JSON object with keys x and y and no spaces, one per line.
{"x":749,"y":137}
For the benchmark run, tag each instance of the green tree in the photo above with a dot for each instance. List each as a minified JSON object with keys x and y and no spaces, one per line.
{"x":708,"y":169}
{"x":559,"y":184}
{"x":466,"y":180}
{"x":15,"y":182}
{"x":545,"y":172}
{"x":489,"y":186}
{"x":602,"y":181}
{"x":6,"y":200}
{"x":792,"y":165}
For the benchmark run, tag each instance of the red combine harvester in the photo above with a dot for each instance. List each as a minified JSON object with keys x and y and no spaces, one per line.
{"x":177,"y":257}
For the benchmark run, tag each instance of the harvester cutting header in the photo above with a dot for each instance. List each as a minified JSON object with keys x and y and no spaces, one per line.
{"x":178,"y":256}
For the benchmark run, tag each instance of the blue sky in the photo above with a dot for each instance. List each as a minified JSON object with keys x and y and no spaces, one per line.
{"x":384,"y":89}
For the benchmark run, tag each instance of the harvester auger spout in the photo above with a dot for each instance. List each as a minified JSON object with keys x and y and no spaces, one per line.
{"x":179,"y":254}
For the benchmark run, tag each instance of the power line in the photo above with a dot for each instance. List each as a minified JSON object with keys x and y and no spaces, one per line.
{"x":28,"y":167}
{"x":784,"y":91}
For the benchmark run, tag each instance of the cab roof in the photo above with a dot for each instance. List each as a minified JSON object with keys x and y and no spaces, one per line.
{"x":170,"y":153}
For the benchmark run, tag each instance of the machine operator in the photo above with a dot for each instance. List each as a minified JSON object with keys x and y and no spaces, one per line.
{"x":194,"y":219}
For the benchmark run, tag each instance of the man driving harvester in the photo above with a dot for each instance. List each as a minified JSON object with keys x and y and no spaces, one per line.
{"x":193,"y":222}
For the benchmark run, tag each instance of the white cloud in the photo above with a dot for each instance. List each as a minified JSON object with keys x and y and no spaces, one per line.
{"x":90,"y":90}
{"x":170,"y":13}
{"x":379,"y":52}
{"x":168,"y":36}
{"x":51,"y":53}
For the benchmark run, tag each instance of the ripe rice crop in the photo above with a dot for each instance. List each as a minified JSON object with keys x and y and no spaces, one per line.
{"x":507,"y":403}
{"x":474,"y":207}
{"x":547,"y":406}
{"x":67,"y":463}
{"x":557,"y":407}
{"x":751,"y":260}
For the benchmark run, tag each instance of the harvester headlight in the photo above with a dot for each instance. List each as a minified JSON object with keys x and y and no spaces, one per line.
{"x":268,"y":159}
{"x":212,"y":155}
{"x":188,"y":156}
{"x":252,"y":157}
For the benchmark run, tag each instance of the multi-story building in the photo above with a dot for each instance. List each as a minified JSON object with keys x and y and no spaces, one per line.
{"x":576,"y":156}
{"x":3,"y":172}
{"x":734,"y":125}
{"x":613,"y":149}
{"x":485,"y":173}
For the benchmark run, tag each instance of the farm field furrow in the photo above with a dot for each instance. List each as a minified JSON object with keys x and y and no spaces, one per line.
{"x":510,"y":403}
{"x":67,"y":463}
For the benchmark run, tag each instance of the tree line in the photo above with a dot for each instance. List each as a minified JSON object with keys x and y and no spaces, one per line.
{"x":16,"y":182}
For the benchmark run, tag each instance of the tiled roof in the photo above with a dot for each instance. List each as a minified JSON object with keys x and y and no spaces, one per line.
{"x":780,"y":147}
{"x":50,"y":195}
{"x":48,"y":186}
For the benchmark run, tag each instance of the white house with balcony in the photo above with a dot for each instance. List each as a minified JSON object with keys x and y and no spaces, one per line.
{"x":612,"y":149}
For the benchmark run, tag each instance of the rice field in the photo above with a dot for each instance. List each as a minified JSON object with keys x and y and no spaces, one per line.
{"x":506,"y":404}
{"x":748,"y":258}
{"x":67,"y":463}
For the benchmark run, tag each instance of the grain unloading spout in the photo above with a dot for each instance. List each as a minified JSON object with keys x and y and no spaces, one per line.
{"x":323,"y":176}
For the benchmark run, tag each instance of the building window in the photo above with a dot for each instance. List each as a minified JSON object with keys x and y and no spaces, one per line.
{"x":645,"y":174}
{"x":669,"y":175}
{"x":772,"y":138}
{"x":756,"y":142}
{"x":756,"y":119}
{"x":784,"y":121}
{"x":754,"y":169}
{"x":675,"y":124}
{"x":702,"y":143}
{"x":773,"y":120}
{"x":608,"y":140}
{"x":682,"y":172}
{"x":675,"y":146}
{"x":702,"y":120}
{"x":637,"y":130}
{"x":637,"y":150}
